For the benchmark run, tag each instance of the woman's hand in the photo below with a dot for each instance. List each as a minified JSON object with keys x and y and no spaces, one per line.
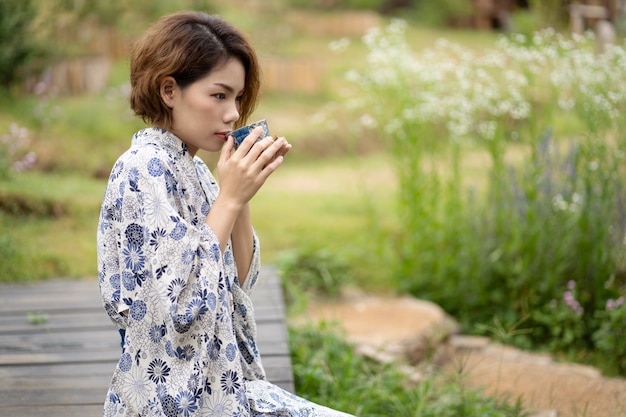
{"x":242,"y":172}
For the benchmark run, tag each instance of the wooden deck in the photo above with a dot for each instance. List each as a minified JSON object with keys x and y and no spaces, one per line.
{"x":62,"y":367}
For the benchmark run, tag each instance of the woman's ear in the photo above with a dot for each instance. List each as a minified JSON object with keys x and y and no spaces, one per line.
{"x":167,"y":90}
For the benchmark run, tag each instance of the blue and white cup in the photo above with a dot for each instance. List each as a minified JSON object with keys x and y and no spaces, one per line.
{"x":240,"y":134}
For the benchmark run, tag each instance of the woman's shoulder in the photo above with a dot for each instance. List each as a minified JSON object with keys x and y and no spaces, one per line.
{"x":148,"y":148}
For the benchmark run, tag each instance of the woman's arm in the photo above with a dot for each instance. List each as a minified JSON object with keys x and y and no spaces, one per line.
{"x":241,"y":175}
{"x":242,"y":239}
{"x":230,"y":221}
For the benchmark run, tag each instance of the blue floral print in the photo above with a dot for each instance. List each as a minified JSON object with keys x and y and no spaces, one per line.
{"x":189,"y":345}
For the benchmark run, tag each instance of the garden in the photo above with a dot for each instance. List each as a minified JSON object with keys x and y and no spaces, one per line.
{"x":481,"y":171}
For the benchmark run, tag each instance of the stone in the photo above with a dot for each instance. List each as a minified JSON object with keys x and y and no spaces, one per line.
{"x":398,"y":328}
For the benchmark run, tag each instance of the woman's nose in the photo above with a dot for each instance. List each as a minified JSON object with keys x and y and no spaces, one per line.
{"x":232,"y":115}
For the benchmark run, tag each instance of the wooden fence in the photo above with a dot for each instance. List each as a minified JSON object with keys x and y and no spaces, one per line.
{"x":90,"y":74}
{"x":355,"y":23}
{"x":292,"y":75}
{"x":87,"y":75}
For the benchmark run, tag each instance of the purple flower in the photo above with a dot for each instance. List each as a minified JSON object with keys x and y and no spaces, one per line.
{"x":613,"y":304}
{"x":572,"y":303}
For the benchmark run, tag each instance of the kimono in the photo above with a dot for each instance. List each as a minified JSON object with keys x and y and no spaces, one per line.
{"x":188,"y":325}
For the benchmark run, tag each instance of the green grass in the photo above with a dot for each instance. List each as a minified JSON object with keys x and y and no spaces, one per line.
{"x":336,"y":205}
{"x":328,"y":204}
{"x":325,"y":365}
{"x":59,"y":241}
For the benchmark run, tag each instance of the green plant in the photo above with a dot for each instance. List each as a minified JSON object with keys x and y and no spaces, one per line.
{"x":313,"y":271}
{"x":441,"y":12}
{"x":525,"y":22}
{"x":561,"y":321}
{"x":18,"y":45}
{"x":609,"y":338}
{"x":328,"y":371}
{"x":338,"y":4}
{"x":550,"y":213}
{"x":37,"y":318}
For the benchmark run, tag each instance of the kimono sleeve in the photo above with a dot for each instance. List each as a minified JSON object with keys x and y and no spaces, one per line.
{"x":169,"y":269}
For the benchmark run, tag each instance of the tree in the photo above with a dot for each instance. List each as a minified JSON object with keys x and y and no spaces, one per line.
{"x":17,"y":45}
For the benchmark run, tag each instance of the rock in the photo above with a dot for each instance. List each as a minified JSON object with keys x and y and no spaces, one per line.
{"x":546,"y":413}
{"x":389,"y":328}
{"x":467,"y":343}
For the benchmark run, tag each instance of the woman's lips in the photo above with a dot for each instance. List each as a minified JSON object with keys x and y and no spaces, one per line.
{"x":222,"y":135}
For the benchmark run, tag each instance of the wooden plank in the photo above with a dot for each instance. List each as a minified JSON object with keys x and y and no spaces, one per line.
{"x":44,"y":371}
{"x":76,"y":338}
{"x":84,"y":296}
{"x":64,"y":410}
{"x":63,"y":367}
{"x":87,"y":390}
{"x":54,"y":370}
{"x":63,"y":321}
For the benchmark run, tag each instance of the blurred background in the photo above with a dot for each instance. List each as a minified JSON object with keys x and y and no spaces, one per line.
{"x":469,"y":152}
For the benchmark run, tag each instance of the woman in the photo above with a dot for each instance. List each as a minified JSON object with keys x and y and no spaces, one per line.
{"x":177,"y":255}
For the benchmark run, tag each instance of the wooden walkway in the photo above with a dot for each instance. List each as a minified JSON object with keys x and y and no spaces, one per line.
{"x":62,"y":367}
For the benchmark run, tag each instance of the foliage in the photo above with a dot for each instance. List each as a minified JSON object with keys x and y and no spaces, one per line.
{"x":18,"y":47}
{"x":552,"y":214}
{"x":324,"y":365}
{"x":541,"y":14}
{"x":118,"y":14}
{"x":441,"y":12}
{"x":609,"y":338}
{"x":312,"y":272}
{"x":553,"y":13}
{"x":338,"y":4}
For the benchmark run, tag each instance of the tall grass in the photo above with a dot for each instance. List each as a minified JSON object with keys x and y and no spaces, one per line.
{"x":540,"y":238}
{"x":329,"y":372}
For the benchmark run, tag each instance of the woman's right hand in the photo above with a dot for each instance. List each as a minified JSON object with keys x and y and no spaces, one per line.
{"x":242,"y":173}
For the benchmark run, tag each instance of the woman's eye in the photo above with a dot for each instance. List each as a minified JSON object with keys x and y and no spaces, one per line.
{"x":239,"y":98}
{"x":220,"y":96}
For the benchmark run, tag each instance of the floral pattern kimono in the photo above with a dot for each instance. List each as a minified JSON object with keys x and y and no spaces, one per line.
{"x":189,"y":328}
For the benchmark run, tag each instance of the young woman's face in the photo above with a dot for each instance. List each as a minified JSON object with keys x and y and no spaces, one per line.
{"x":203,"y":113}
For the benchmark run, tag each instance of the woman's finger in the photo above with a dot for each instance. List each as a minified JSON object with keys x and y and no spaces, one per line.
{"x":226,"y":149}
{"x":268,"y":150}
{"x":250,"y":140}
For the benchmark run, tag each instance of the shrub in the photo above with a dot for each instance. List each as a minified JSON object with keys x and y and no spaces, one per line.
{"x":441,"y":12}
{"x":508,"y":244}
{"x":18,"y":46}
{"x":609,"y":338}
{"x":338,"y":4}
{"x":310,"y":271}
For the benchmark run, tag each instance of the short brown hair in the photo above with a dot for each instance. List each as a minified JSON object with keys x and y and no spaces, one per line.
{"x":187,"y":46}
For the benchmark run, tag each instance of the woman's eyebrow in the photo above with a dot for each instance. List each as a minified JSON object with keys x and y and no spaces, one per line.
{"x":227,"y":87}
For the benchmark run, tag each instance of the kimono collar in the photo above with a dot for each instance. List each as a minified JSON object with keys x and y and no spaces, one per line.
{"x":164,"y":139}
